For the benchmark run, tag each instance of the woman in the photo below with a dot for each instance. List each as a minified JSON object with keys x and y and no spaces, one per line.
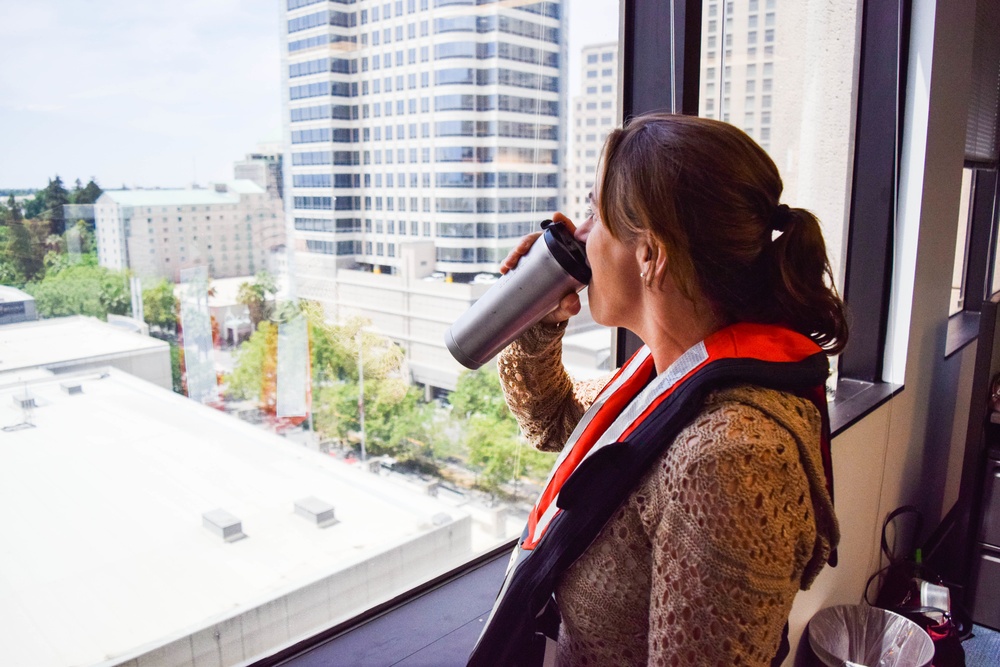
{"x":727,"y":512}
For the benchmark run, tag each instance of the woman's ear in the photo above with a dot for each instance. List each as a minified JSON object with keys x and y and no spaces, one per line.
{"x":651,"y":258}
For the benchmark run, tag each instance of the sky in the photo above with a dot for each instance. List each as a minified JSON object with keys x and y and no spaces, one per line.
{"x":145,"y":93}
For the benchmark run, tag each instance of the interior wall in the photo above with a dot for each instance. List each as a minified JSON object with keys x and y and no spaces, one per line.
{"x":909,"y":451}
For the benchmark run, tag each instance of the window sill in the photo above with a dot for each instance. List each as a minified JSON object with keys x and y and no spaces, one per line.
{"x":437,"y":624}
{"x":855,"y":399}
{"x":963,"y":328}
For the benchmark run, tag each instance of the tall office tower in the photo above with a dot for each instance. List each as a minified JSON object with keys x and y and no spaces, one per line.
{"x":737,"y":55}
{"x":595,"y":114}
{"x":416,"y":122}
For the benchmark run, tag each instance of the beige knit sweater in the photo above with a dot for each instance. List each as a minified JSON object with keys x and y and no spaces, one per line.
{"x":701,"y":563}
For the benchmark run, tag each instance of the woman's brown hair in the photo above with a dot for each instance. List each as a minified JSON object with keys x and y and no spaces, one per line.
{"x":710,"y":197}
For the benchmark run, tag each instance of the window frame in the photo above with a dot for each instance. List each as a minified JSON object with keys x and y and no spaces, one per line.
{"x":877,"y":148}
{"x":983,"y":233}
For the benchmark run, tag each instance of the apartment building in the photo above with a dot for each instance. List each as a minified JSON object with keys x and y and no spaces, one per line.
{"x":419,"y":120}
{"x":595,"y":114}
{"x":231,"y":228}
{"x":738,"y":59}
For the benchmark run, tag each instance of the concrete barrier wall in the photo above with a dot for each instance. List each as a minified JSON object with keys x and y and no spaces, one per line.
{"x":264,"y":629}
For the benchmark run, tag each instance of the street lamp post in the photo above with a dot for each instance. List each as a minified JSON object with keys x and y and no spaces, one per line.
{"x":361,"y":394}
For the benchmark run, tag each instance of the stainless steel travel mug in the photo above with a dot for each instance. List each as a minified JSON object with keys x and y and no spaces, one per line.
{"x":552,"y":268}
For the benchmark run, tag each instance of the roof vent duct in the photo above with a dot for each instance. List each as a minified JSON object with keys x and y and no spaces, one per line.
{"x":71,"y":387}
{"x":316,"y":511}
{"x":223,"y":524}
{"x":25,"y":401}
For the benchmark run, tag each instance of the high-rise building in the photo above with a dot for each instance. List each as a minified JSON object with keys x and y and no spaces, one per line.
{"x":418,"y":120}
{"x":737,"y":55}
{"x":595,"y":114}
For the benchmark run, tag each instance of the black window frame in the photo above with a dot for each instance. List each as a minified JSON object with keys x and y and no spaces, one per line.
{"x":879,"y":117}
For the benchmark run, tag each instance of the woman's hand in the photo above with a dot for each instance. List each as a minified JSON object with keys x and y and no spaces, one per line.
{"x":570,"y":304}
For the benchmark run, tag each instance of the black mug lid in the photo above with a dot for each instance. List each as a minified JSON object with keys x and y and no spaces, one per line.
{"x":568,"y":251}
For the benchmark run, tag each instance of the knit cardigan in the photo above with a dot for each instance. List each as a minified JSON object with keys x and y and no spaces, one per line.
{"x":701,"y":563}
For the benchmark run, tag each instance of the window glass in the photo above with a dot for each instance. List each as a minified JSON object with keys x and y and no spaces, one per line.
{"x":995,"y":281}
{"x":224,"y":369}
{"x":806,"y":129}
{"x":961,"y":245}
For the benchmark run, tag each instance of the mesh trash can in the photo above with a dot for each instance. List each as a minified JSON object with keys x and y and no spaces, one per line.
{"x":862,"y":635}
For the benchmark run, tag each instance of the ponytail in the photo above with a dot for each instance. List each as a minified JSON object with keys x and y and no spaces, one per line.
{"x":803,"y":295}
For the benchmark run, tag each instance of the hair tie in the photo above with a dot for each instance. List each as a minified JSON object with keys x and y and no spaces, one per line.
{"x":780,"y":218}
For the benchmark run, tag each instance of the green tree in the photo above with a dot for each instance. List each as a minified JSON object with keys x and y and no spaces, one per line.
{"x":22,"y":253}
{"x":159,"y":305}
{"x":89,"y":194}
{"x":56,"y":196}
{"x":79,"y":243}
{"x":82,"y":290}
{"x":34,"y":207}
{"x":176,"y":376}
{"x":396,"y":422}
{"x":255,"y":360}
{"x":500,"y":456}
{"x":255,"y":296}
{"x":479,"y":392}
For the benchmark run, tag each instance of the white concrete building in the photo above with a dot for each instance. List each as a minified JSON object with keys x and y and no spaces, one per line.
{"x":114,"y":504}
{"x":16,"y":306}
{"x":229,"y":227}
{"x":595,"y":114}
{"x":64,"y":345}
{"x":265,"y":167}
{"x":419,"y":120}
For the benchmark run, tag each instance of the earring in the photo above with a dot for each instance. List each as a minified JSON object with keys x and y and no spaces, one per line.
{"x":642,"y":274}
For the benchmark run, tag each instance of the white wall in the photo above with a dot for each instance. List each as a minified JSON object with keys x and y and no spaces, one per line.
{"x":910,"y":449}
{"x":255,"y":632}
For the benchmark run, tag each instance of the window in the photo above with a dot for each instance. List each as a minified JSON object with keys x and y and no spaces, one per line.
{"x":351,"y":163}
{"x":961,"y":244}
{"x":802,"y":121}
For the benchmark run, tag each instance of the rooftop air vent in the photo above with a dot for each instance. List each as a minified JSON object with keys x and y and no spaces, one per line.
{"x":25,"y":401}
{"x":221,"y":187}
{"x":223,"y":524}
{"x":71,"y":387}
{"x":316,"y":511}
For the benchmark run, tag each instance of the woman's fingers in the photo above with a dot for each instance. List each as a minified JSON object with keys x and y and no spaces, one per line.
{"x":522,"y":247}
{"x":518,"y":251}
{"x":559,"y":217}
{"x":568,"y":306}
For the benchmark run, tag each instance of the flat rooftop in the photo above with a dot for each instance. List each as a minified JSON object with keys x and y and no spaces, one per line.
{"x":186,"y":196}
{"x":101,"y":505}
{"x":61,"y":340}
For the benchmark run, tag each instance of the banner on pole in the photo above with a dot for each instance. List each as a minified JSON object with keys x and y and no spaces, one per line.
{"x":196,"y":323}
{"x":293,"y":368}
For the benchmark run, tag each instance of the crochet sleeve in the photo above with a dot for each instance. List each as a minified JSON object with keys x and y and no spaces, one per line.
{"x":731,"y":526}
{"x":543,"y":398}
